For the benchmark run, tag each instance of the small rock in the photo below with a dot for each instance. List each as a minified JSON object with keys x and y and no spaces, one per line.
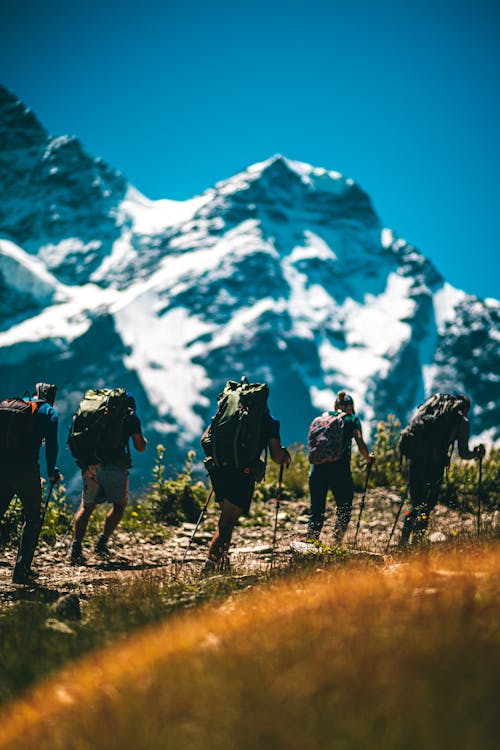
{"x":68,"y":607}
{"x":59,"y":626}
{"x":437,"y":536}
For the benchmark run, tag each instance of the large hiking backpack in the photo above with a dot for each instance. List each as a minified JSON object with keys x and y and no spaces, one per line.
{"x":18,"y":433}
{"x":432,"y":428}
{"x":234,"y":437}
{"x":97,"y":431}
{"x":326,"y":440}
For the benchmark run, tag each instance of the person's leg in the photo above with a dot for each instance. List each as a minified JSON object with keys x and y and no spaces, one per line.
{"x":221,"y":540}
{"x":30,"y":493}
{"x":114,"y":482}
{"x":418,"y":491}
{"x":82,"y":519}
{"x":343,"y":493}
{"x":318,"y":488}
{"x":90,"y":493}
{"x":425,"y":508}
{"x":7,"y":492}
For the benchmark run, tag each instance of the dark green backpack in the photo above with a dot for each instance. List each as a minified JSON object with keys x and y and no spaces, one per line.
{"x":234,"y":439}
{"x":97,"y":433}
{"x":432,"y":428}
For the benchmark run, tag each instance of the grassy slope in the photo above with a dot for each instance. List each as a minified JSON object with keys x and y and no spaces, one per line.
{"x":396,"y":657}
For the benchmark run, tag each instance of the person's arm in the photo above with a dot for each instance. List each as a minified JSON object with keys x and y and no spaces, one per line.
{"x":51,"y":448}
{"x":135,"y":431}
{"x":139,"y":442}
{"x":363,"y":448}
{"x":464,"y":451}
{"x":278,"y":452}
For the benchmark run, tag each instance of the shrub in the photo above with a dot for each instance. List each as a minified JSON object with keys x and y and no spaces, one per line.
{"x":385,"y":471}
{"x":461,"y":484}
{"x":175,"y":500}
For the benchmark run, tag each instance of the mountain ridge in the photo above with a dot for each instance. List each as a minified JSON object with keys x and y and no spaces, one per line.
{"x":283,"y":272}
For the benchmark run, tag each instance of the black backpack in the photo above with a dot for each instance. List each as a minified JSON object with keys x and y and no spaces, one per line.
{"x":18,"y":435}
{"x":97,"y":433}
{"x":235,"y":434}
{"x":432,"y":429}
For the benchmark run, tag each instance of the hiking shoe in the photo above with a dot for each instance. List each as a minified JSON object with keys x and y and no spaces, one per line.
{"x":210,"y":566}
{"x":77,"y":557}
{"x":312,"y":536}
{"x":101,"y":548}
{"x":24,"y":577}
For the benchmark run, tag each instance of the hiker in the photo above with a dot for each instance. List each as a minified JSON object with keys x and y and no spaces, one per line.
{"x":428,"y":442}
{"x":330,"y":437}
{"x":240,"y":431}
{"x":24,"y":424}
{"x":109,"y":416}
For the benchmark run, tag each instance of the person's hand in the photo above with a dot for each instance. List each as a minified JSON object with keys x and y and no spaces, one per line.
{"x":479,"y":451}
{"x":286,"y":458}
{"x":371,"y":458}
{"x":56,"y":476}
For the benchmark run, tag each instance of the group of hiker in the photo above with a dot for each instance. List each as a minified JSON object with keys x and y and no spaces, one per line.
{"x":241,"y":431}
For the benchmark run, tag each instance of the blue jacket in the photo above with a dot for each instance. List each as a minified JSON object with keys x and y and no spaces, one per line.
{"x":47,"y":424}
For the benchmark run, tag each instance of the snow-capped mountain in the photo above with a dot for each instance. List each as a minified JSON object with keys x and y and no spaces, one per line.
{"x":283,"y":272}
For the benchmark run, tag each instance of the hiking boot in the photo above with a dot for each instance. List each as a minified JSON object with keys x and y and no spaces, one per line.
{"x":210,"y":566}
{"x":24,"y":577}
{"x":77,"y":557}
{"x":101,"y":548}
{"x":312,"y":536}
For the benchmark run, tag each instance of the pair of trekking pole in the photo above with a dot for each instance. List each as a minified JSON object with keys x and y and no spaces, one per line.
{"x":479,"y":503}
{"x":204,"y":509}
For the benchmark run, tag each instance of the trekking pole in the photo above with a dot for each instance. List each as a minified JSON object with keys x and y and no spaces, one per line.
{"x":278,"y":500}
{"x":203,"y":510}
{"x":368,"y":469}
{"x":405,"y":495}
{"x":42,"y":519}
{"x":479,"y":497}
{"x":70,"y":526}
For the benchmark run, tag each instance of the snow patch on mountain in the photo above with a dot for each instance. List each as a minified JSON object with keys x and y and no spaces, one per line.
{"x":282,"y":272}
{"x":162,"y":350}
{"x":149,"y":217}
{"x":57,"y":326}
{"x":446,"y":300}
{"x":27,"y":275}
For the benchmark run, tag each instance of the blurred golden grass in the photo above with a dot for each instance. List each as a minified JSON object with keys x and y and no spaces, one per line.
{"x":402,"y":656}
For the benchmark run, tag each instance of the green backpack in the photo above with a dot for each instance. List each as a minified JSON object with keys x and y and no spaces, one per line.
{"x":97,"y":433}
{"x":234,"y":439}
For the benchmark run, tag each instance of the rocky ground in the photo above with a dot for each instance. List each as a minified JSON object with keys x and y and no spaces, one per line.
{"x":156,"y":548}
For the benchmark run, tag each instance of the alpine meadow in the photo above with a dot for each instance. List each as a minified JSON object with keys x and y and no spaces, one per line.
{"x":307,"y":554}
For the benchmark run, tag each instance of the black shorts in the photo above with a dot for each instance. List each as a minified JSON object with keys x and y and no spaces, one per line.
{"x":234,"y":485}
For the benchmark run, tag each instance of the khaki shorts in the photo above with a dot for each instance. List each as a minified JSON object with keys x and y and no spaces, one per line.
{"x":105,"y":483}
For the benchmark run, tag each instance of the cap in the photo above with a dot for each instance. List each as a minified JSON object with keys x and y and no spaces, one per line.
{"x":346,"y":399}
{"x":46,"y":392}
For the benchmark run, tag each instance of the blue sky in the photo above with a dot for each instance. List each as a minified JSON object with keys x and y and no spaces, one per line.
{"x":401,"y":96}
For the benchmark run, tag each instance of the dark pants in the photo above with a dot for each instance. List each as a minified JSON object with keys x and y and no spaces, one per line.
{"x":25,"y":483}
{"x":425,"y":477}
{"x":337,"y":478}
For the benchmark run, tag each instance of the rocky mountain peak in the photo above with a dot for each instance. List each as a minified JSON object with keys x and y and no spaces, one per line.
{"x":282,"y":272}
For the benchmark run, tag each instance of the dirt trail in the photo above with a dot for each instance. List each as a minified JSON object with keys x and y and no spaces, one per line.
{"x":133,"y":552}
